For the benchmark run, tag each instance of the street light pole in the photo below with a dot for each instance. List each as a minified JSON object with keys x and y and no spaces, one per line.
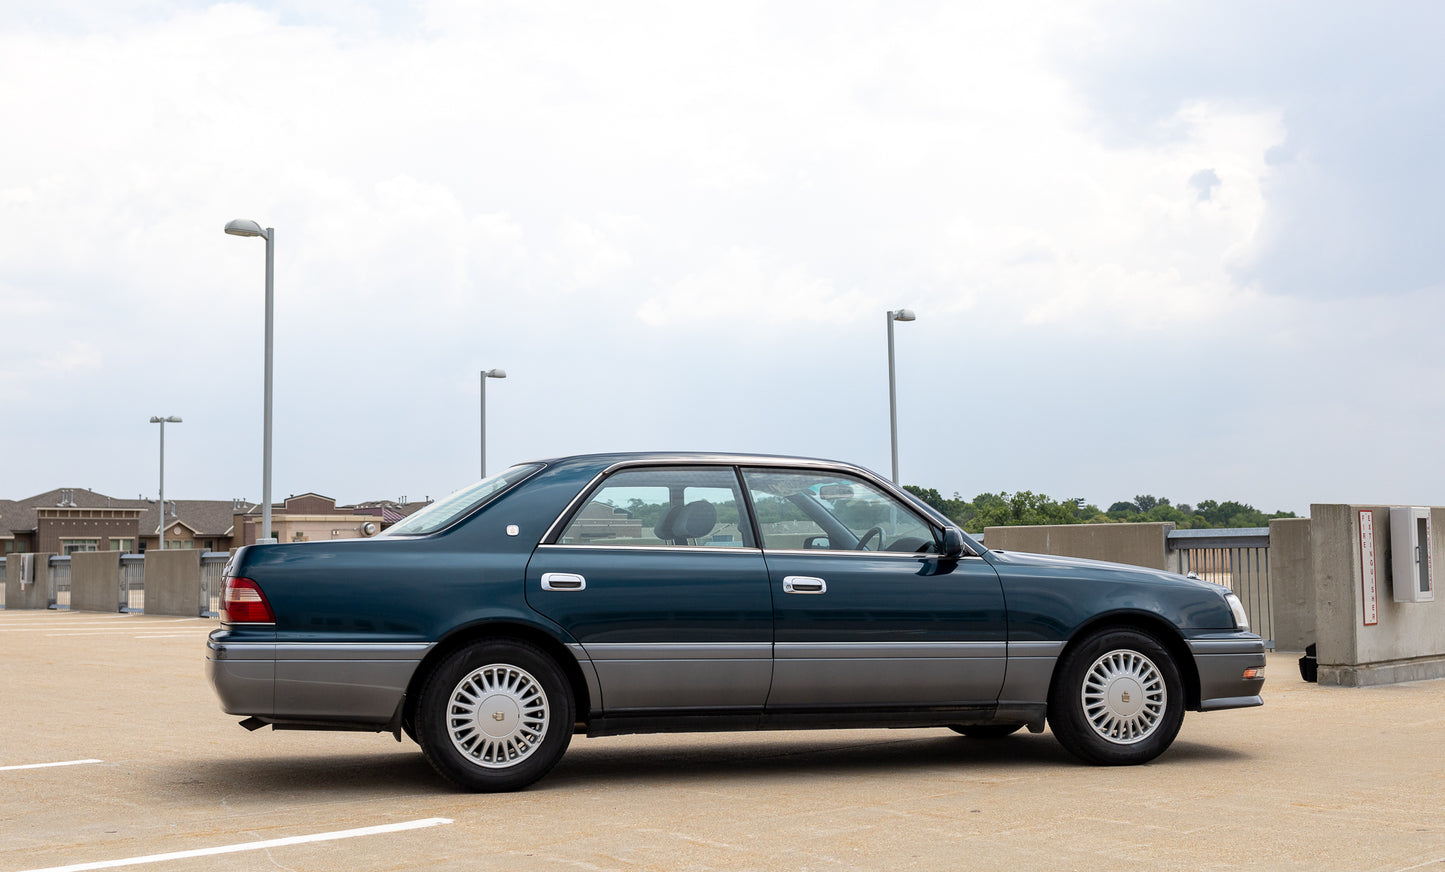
{"x":486,"y":374}
{"x":245,"y":227}
{"x":161,"y":525}
{"x":894,"y":315}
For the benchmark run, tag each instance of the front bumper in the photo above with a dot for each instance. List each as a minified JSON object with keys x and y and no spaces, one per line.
{"x":1221,"y":663}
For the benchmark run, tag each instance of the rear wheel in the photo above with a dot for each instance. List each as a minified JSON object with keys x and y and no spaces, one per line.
{"x":495,"y":716}
{"x":1118,"y":699}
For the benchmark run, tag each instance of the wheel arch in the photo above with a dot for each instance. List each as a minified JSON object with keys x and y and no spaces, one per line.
{"x":500,"y":629}
{"x":1150,"y":624}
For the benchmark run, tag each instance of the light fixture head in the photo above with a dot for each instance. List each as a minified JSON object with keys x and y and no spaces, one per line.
{"x":903,"y":315}
{"x":495,"y":373}
{"x":171,"y":419}
{"x":244,"y":227}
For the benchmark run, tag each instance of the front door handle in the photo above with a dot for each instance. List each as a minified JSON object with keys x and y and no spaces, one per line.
{"x":804,"y":584}
{"x":563,"y":581}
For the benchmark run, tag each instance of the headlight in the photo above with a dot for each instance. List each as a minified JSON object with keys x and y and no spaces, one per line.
{"x":1241,"y":620}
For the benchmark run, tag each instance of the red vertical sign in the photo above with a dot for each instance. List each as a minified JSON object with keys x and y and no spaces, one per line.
{"x":1368,"y":579}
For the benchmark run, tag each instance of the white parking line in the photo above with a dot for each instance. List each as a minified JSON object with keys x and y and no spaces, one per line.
{"x":47,"y":765}
{"x":93,"y":635}
{"x":250,"y":846}
{"x":89,"y":627}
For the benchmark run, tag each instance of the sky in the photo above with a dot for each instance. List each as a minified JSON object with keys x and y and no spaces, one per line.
{"x":1182,"y":249}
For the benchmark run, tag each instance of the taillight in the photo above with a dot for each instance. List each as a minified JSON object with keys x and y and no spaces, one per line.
{"x":245,"y":604}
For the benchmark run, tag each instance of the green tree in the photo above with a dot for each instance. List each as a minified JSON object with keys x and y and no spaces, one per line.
{"x":1025,"y":507}
{"x":1019,"y":508}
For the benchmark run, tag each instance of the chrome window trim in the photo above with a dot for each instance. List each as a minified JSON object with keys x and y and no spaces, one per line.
{"x":934,"y":518}
{"x":708,"y":549}
{"x":914,"y":555}
{"x":915,"y":506}
{"x":554,"y":530}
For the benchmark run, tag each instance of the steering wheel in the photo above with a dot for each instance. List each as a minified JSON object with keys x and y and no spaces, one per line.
{"x":872,"y":531}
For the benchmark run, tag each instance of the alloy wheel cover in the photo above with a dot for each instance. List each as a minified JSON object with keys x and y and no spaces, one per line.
{"x":497,"y":716}
{"x":1124,"y":697}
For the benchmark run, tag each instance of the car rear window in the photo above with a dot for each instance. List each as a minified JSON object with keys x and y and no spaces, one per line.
{"x":444,"y":512}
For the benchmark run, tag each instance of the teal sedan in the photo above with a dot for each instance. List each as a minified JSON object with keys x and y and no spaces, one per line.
{"x":657,"y":592}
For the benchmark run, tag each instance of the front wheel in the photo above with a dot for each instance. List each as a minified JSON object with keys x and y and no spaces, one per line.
{"x":495,"y":716}
{"x":1118,"y":699}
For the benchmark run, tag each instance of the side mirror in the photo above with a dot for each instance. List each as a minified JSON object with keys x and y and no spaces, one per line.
{"x":952,"y":542}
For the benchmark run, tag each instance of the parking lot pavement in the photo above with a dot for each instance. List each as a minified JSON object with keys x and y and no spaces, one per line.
{"x":1320,"y":778}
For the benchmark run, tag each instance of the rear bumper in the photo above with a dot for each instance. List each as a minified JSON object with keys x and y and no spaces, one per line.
{"x":345,"y":684}
{"x":1221,"y":664}
{"x":244,"y":676}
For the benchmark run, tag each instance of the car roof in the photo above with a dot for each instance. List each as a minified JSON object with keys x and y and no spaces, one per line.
{"x":612,"y":458}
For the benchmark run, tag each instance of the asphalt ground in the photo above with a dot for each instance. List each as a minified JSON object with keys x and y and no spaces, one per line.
{"x":1319,"y":778}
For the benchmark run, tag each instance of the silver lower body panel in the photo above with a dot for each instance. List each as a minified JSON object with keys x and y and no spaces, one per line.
{"x":347,"y":683}
{"x":1221,"y":665}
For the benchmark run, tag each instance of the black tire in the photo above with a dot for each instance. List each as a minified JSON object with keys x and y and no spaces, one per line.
{"x":495,"y":716}
{"x":1118,"y":699}
{"x":986,"y":731}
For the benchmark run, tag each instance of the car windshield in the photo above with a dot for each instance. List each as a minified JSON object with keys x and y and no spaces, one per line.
{"x":443,"y":512}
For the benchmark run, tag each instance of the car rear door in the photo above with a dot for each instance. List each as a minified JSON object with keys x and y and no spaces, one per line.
{"x":656,"y":575}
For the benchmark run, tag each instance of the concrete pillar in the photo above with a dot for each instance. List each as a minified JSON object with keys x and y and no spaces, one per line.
{"x":1365,"y":637}
{"x":95,"y":581}
{"x":173,"y":583}
{"x":36,"y":594}
{"x":1292,"y":582}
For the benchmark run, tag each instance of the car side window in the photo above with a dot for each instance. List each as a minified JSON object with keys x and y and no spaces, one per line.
{"x":821,"y":510}
{"x":662,"y":507}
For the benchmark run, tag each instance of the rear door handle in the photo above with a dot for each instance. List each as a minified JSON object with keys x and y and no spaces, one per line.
{"x":804,"y":584}
{"x":563,"y":581}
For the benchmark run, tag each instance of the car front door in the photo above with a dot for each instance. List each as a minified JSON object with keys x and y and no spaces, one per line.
{"x":657,"y":577}
{"x":866,"y":612}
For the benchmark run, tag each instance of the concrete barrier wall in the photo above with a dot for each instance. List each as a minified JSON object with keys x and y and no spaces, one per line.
{"x":1405,"y":641}
{"x":173,"y":583}
{"x":95,"y":581}
{"x":1137,"y":544}
{"x":1292,"y":583}
{"x":27,"y":596}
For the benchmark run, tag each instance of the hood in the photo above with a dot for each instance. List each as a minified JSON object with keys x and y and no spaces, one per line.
{"x":1083,"y":565}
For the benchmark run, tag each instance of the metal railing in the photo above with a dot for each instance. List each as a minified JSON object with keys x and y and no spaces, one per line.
{"x":213,"y":566}
{"x":1237,"y":558}
{"x":133,"y":583}
{"x":59,"y":581}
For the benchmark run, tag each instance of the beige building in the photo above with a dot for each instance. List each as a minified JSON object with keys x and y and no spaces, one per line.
{"x":67,"y":520}
{"x":315,"y":518}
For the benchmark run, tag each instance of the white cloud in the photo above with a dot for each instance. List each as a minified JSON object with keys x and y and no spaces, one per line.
{"x":543,"y":185}
{"x":742,"y":288}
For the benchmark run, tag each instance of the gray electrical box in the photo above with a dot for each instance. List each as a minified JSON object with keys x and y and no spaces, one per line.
{"x":1411,"y":564}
